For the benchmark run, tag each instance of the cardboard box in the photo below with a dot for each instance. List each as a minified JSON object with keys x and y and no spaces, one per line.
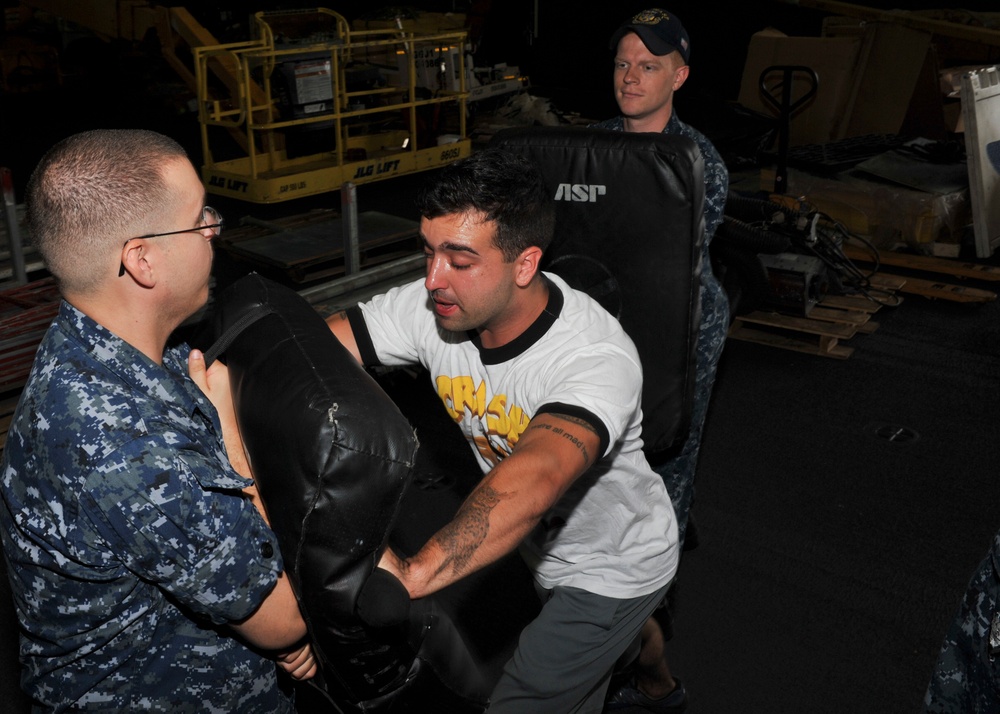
{"x":892,"y":61}
{"x":888,"y":215}
{"x":832,"y":59}
{"x":873,"y":78}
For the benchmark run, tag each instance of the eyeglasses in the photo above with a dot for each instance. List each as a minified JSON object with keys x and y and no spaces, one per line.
{"x":211,"y":220}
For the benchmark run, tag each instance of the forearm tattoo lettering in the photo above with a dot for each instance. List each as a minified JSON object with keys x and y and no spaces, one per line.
{"x":559,"y":431}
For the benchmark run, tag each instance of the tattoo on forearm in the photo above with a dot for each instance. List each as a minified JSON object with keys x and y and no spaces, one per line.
{"x":559,"y":431}
{"x":461,"y":538}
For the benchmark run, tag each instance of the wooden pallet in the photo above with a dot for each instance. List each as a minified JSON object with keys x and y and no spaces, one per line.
{"x":939,"y":290}
{"x":860,"y":319}
{"x":936,"y":289}
{"x":25,"y":314}
{"x":840,"y":317}
{"x":926,"y":263}
{"x":819,"y":334}
{"x":856,"y":302}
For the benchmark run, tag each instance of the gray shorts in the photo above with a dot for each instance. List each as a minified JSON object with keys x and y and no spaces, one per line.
{"x":565,"y":656}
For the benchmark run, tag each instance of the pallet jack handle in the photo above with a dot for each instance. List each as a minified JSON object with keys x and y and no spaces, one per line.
{"x":780,"y":97}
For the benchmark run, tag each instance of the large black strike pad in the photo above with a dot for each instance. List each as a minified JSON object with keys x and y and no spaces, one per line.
{"x":332,"y":456}
{"x":629,"y":231}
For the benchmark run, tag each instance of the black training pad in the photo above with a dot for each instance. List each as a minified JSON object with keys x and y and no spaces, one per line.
{"x":332,"y":456}
{"x":629,"y":231}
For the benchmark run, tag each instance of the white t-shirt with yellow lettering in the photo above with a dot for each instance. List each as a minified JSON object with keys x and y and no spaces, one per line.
{"x":613,"y":533}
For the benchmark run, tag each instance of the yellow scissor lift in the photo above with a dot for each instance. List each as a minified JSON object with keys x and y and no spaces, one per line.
{"x":294,"y":82}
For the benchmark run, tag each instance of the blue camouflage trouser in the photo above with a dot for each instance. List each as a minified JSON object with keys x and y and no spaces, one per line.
{"x":967,"y":675}
{"x":678,"y":472}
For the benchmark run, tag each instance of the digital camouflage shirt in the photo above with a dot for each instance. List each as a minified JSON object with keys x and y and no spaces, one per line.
{"x":127,"y":539}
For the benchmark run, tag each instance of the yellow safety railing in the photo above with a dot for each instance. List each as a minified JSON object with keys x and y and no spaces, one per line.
{"x":314,"y":105}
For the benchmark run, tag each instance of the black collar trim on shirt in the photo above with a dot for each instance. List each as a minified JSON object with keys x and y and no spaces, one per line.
{"x":530,"y":336}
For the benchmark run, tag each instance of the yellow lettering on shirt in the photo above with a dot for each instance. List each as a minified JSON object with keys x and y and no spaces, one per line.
{"x":461,"y":395}
{"x":519,"y":422}
{"x":497,"y":421}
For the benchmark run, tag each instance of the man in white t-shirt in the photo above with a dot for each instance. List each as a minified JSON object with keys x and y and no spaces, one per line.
{"x":546,"y":387}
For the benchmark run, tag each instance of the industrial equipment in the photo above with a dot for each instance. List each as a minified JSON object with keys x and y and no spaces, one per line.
{"x":797,"y":282}
{"x":315,"y":105}
{"x":308,"y":104}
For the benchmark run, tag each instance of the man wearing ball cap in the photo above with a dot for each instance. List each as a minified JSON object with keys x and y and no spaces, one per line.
{"x":652,"y":50}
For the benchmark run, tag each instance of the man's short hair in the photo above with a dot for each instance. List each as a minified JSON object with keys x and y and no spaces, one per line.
{"x":505,"y":188}
{"x":90,"y":193}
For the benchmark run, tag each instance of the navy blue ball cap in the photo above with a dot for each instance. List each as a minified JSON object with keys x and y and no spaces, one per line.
{"x":659,"y":30}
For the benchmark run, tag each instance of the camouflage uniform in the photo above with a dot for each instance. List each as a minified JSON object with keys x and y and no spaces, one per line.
{"x":967,"y":675}
{"x":678,"y":472}
{"x":127,"y":539}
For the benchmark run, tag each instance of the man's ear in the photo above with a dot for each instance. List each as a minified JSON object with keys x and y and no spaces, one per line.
{"x":137,"y":260}
{"x":680,"y":76}
{"x":528,"y":264}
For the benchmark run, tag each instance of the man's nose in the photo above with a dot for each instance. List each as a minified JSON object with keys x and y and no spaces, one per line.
{"x":435,"y":274}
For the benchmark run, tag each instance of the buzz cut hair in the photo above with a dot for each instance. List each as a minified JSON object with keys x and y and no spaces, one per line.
{"x":90,"y":193}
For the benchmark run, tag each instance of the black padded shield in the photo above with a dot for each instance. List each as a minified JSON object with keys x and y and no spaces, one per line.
{"x":331,"y":455}
{"x":629,"y":231}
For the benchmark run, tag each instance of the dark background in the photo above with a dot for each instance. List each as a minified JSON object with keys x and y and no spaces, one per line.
{"x":831,"y":559}
{"x":563,"y":50}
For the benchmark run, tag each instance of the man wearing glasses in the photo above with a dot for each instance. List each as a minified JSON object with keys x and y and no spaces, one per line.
{"x":143,"y":571}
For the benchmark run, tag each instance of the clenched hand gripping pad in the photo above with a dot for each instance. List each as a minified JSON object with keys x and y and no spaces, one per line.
{"x":629,"y":231}
{"x":332,"y":456}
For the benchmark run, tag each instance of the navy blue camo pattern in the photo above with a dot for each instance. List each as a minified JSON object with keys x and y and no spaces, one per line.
{"x":966,"y":678}
{"x":127,"y":538}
